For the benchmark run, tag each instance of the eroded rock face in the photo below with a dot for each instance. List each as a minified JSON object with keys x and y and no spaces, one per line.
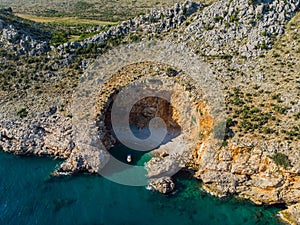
{"x":86,"y":150}
{"x":243,"y":168}
{"x":84,"y":158}
{"x":40,"y":135}
{"x":292,"y":214}
{"x":169,"y":158}
{"x":22,"y":38}
{"x":156,"y":22}
{"x":181,"y":115}
{"x":248,"y":171}
{"x":163,"y":185}
{"x":246,"y":27}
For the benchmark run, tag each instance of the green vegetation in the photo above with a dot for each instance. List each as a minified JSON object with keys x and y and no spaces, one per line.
{"x":234,"y":17}
{"x":218,"y":18}
{"x":258,"y":110}
{"x":252,"y":2}
{"x":59,"y":38}
{"x":66,"y":29}
{"x":255,"y":117}
{"x":222,"y":131}
{"x":226,"y":56}
{"x":105,"y":10}
{"x":252,"y":22}
{"x":14,"y":76}
{"x":252,"y":118}
{"x":66,"y":21}
{"x":82,"y":6}
{"x":259,"y":16}
{"x":171,"y":72}
{"x":22,"y":113}
{"x":266,"y":8}
{"x":63,"y":33}
{"x":134,"y":38}
{"x":292,"y":134}
{"x":279,"y":109}
{"x":276,"y":55}
{"x":208,"y":27}
{"x":264,"y":33}
{"x":263,"y":45}
{"x":281,"y":160}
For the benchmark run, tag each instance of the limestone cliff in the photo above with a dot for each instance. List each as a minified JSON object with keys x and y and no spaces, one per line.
{"x":252,"y":48}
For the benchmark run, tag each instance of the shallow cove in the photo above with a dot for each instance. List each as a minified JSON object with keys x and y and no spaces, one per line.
{"x":29,"y":196}
{"x":120,"y":151}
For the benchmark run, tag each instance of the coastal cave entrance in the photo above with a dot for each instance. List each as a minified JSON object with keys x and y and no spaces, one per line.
{"x":128,"y":98}
{"x":141,"y":114}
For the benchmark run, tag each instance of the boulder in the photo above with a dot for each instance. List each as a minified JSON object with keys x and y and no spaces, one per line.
{"x":164,"y":185}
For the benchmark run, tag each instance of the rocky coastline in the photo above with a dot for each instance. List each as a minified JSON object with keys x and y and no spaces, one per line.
{"x":242,"y":166}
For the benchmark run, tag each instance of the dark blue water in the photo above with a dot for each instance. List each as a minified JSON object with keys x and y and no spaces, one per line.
{"x":28,"y":195}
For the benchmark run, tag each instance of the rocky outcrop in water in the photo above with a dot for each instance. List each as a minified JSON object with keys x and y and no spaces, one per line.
{"x":163,"y":185}
{"x":241,"y":166}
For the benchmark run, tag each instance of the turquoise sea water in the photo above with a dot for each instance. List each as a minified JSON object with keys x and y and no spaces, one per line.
{"x":30,"y":196}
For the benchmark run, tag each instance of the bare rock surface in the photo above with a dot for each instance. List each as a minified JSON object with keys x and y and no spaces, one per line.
{"x":242,"y":166}
{"x":163,"y":185}
{"x":292,"y":214}
{"x":245,"y":27}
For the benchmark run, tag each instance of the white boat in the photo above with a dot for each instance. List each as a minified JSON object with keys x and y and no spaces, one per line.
{"x":129,"y":158}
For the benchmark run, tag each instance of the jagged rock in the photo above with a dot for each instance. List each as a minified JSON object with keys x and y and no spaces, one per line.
{"x":164,"y":185}
{"x":174,"y":158}
{"x":266,"y":180}
{"x":157,"y":21}
{"x":37,"y":135}
{"x":243,"y":168}
{"x":84,"y":158}
{"x":221,"y":27}
{"x":21,"y":38}
{"x":221,"y":183}
{"x":292,"y":214}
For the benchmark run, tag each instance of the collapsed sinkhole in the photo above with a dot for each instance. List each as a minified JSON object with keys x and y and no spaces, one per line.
{"x":140,"y":116}
{"x":186,"y":113}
